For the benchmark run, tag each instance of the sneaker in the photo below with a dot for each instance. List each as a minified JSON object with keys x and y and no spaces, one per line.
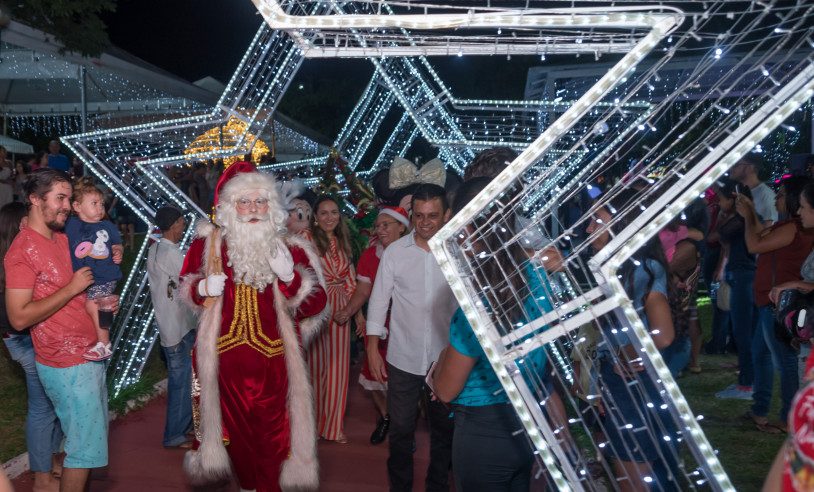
{"x":99,"y":352}
{"x":380,"y":433}
{"x":738,"y":392}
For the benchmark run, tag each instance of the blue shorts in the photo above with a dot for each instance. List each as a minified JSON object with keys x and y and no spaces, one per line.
{"x":79,"y":396}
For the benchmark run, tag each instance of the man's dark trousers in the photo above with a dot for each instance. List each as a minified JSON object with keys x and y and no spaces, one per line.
{"x":403,"y":391}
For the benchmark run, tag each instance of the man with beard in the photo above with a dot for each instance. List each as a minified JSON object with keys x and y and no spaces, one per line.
{"x":43,"y":292}
{"x":260,"y":295}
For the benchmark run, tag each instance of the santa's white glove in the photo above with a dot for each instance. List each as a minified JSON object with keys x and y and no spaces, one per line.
{"x":212,"y":286}
{"x":281,"y":262}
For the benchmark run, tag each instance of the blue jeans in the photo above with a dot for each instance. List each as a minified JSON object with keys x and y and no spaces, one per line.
{"x":743,"y":317}
{"x":768,"y":353}
{"x":43,"y":434}
{"x":179,"y":397}
{"x":677,"y":355}
{"x":635,"y":423}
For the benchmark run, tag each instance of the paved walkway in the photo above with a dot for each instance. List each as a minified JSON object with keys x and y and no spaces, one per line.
{"x":138,"y":462}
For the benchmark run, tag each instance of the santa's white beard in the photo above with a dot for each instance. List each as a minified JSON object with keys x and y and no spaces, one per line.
{"x":247,"y":244}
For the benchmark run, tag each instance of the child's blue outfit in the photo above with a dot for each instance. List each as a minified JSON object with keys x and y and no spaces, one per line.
{"x":91,"y":247}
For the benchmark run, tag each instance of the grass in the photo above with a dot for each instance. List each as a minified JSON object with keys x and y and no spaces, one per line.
{"x":154,"y":371}
{"x":14,"y":396}
{"x":745,"y":453}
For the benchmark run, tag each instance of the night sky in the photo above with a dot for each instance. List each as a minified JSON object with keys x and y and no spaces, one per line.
{"x":190,"y":38}
{"x":193,"y":39}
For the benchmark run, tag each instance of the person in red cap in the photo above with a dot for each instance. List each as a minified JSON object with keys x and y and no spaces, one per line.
{"x":260,"y":297}
{"x":392,"y":223}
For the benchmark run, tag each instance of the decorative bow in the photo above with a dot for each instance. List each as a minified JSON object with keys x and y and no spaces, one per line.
{"x":404,"y":173}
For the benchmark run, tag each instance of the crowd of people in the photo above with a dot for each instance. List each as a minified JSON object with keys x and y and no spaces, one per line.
{"x":255,"y":324}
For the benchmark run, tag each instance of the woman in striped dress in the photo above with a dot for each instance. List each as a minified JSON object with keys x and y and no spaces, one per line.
{"x":329,"y":353}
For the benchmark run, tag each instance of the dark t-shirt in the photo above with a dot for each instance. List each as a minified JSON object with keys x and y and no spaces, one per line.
{"x":5,"y":324}
{"x":90,"y":247}
{"x":732,"y":233}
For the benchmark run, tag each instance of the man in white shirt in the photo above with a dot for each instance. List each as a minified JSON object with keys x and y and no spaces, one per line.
{"x":176,"y":325}
{"x":420,"y":315}
{"x":745,"y":172}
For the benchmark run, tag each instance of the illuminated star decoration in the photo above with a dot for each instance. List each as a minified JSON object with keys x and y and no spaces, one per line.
{"x":726,"y":121}
{"x":131,"y":162}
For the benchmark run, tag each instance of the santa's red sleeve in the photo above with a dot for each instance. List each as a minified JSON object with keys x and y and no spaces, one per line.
{"x":310,"y":291}
{"x":191,"y":272}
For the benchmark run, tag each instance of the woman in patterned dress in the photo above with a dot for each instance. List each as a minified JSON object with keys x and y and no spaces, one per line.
{"x":329,"y":353}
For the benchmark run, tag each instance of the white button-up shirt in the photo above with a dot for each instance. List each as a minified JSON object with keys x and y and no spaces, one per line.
{"x":173,"y":317}
{"x":422,"y":308}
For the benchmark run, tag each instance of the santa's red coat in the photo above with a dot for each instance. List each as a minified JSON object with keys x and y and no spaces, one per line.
{"x":252,"y":370}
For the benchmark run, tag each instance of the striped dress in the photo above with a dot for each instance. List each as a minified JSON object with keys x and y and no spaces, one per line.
{"x":329,"y":352}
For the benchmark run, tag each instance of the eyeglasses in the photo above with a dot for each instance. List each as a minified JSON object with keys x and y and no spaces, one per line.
{"x":384,"y":224}
{"x":246,"y":203}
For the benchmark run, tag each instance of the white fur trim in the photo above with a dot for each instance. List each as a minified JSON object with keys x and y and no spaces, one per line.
{"x":399,"y":217}
{"x":185,"y":286}
{"x":300,"y":471}
{"x":210,"y":462}
{"x":204,"y":228}
{"x":310,"y":326}
{"x":311,"y":253}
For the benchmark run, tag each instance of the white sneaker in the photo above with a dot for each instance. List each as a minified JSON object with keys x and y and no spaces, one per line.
{"x":738,"y":392}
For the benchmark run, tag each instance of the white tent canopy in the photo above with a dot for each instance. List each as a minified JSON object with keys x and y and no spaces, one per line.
{"x":15,"y":146}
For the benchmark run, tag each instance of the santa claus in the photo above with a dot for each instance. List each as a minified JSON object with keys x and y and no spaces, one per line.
{"x":261,"y":297}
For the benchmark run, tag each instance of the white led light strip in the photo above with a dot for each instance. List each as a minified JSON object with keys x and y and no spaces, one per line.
{"x":481,"y":323}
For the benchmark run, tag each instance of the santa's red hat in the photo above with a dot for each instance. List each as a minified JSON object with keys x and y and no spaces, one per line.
{"x":397,"y":213}
{"x":231,"y":172}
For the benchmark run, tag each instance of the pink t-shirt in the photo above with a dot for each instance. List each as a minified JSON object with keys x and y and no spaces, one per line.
{"x":36,"y":263}
{"x":669,"y":240}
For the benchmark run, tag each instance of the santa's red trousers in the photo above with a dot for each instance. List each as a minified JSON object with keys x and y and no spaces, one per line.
{"x":253,"y":389}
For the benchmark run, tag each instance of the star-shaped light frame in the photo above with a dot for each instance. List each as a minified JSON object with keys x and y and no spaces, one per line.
{"x":746,"y":117}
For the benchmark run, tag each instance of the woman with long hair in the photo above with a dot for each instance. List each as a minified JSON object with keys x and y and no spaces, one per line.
{"x":391,"y":224}
{"x":737,"y":267}
{"x":781,"y":249}
{"x":792,"y":468}
{"x":629,"y":408}
{"x":43,"y":433}
{"x":487,"y":451}
{"x":329,"y":353}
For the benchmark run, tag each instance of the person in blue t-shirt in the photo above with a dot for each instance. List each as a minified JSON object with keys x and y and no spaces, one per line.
{"x":95,"y":243}
{"x":488,"y":452}
{"x":57,"y":160}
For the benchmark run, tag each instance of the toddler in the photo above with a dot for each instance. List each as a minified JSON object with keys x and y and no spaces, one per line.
{"x":95,"y":243}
